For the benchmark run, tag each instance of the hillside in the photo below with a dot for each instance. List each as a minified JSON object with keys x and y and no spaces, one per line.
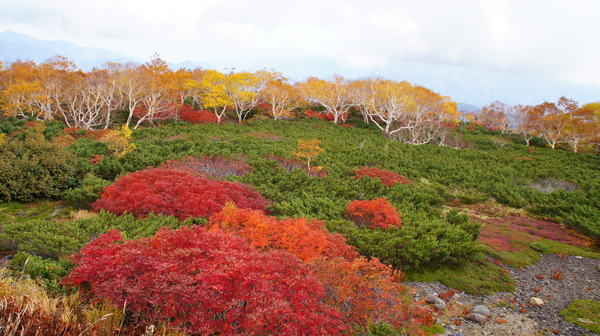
{"x":463,"y":216}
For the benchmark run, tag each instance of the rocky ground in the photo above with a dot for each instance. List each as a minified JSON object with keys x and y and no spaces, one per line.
{"x":557,"y":280}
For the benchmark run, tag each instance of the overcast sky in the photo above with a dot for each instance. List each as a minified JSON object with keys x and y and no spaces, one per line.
{"x":548,"y":37}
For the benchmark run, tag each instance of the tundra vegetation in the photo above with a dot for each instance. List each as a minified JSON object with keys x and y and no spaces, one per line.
{"x":137,"y":199}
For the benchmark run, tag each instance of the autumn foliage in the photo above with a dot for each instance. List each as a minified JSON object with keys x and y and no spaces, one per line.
{"x":307,"y":239}
{"x":366,"y":291}
{"x":377,"y":213}
{"x":388,"y":178}
{"x":187,"y":113}
{"x":206,"y":282}
{"x":176,"y":193}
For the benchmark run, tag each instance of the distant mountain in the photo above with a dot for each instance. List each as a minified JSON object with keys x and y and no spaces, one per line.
{"x":468,"y":86}
{"x":15,"y":46}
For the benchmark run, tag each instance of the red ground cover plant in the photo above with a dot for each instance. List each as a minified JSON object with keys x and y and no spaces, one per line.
{"x":376,"y":213}
{"x":387,"y":177}
{"x":206,"y":282}
{"x":187,"y":113}
{"x":307,"y":239}
{"x":176,"y":193}
{"x":210,"y":166}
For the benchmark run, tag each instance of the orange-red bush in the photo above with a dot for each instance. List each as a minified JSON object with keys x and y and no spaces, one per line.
{"x":187,"y":113}
{"x":206,"y":282}
{"x":368,"y":291}
{"x":388,"y":178}
{"x":174,"y":192}
{"x":377,"y":213}
{"x":307,"y":239}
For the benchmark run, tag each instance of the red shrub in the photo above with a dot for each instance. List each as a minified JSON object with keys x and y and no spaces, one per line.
{"x":96,"y":158}
{"x":377,"y":213}
{"x":307,"y":239}
{"x":388,"y":178}
{"x":324,"y":115}
{"x":211,"y":166}
{"x":320,"y":115}
{"x":95,"y":134}
{"x":206,"y":282}
{"x":187,"y":113}
{"x":366,"y":291}
{"x":174,"y":192}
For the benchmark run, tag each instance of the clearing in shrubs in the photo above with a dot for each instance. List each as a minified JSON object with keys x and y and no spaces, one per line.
{"x":210,"y":166}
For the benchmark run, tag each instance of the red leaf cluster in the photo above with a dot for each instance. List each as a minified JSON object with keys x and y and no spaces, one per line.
{"x":367,"y":291}
{"x":206,"y":282}
{"x":95,"y":134}
{"x":387,"y":177}
{"x":210,"y":166}
{"x":376,"y":213}
{"x":322,"y":116}
{"x":187,"y":113}
{"x":307,"y":239}
{"x":176,"y":193}
{"x":96,"y":158}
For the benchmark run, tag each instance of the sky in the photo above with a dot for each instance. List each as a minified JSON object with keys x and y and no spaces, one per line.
{"x":533,"y":37}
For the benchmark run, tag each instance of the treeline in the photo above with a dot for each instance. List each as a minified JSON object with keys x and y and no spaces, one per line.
{"x":134,"y":94}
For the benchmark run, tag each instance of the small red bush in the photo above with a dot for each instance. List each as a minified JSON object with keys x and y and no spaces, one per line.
{"x":211,"y":166}
{"x":377,"y":213}
{"x":388,"y":178}
{"x":187,"y":113}
{"x":206,"y":282}
{"x":174,"y":192}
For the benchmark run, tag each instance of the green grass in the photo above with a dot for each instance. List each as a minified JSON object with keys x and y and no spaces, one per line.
{"x":584,"y":313}
{"x":476,"y":276}
{"x":23,"y":212}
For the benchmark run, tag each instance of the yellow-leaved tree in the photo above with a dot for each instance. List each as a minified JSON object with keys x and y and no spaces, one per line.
{"x":308,"y":150}
{"x":118,"y":141}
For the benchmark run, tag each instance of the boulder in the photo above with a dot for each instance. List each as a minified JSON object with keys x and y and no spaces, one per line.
{"x":534,"y":301}
{"x":475,"y":317}
{"x":481,"y":310}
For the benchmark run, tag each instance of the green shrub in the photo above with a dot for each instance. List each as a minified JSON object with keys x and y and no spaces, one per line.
{"x":413,"y":246}
{"x":35,"y":168}
{"x":83,"y":196}
{"x":584,"y":313}
{"x":539,"y":246}
{"x":49,"y":271}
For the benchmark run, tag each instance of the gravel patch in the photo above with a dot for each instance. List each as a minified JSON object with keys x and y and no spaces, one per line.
{"x":557,"y":280}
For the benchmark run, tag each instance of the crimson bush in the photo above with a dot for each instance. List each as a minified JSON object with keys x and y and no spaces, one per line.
{"x":176,"y":193}
{"x":387,"y":177}
{"x":377,"y":213}
{"x":206,"y":282}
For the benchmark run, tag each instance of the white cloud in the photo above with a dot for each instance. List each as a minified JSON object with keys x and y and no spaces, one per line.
{"x":550,"y":37}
